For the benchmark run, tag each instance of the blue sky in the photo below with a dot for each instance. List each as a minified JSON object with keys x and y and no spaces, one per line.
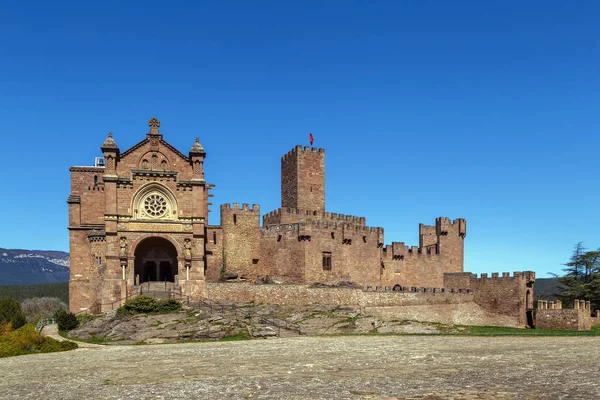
{"x":481,"y":110}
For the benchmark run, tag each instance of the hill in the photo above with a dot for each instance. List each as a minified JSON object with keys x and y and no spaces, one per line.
{"x":33,"y":267}
{"x":546,"y":288}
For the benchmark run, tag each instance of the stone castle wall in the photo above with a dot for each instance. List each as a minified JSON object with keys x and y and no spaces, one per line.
{"x":499,"y":294}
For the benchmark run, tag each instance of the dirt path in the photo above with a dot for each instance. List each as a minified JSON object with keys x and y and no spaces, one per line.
{"x":52,"y":331}
{"x":357,"y":367}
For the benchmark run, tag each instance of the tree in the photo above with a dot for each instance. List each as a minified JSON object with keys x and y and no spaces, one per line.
{"x":582,"y":277}
{"x":65,"y":320}
{"x":10,"y":311}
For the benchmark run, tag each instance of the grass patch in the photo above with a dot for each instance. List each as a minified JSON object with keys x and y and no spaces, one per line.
{"x":504,"y":331}
{"x":467,"y":330}
{"x":26,"y":340}
{"x":241,"y":334}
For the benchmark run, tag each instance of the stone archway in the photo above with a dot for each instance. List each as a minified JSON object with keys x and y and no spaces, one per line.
{"x":155,"y":260}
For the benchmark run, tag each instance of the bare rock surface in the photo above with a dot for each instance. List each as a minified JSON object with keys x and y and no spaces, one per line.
{"x":223,"y":320}
{"x":345,"y":367}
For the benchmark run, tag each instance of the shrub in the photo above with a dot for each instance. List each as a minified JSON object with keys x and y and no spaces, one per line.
{"x":65,"y":320}
{"x":5,"y":327}
{"x":26,"y":340}
{"x":10,"y":310}
{"x":147,"y":305}
{"x":168,"y":305}
{"x":41,"y":307}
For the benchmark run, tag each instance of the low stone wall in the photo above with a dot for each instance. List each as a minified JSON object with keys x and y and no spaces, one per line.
{"x":302,"y":295}
{"x":564,"y":319}
{"x":427,"y":306}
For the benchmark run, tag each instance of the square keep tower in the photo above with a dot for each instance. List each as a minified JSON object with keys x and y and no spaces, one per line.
{"x":303,"y":179}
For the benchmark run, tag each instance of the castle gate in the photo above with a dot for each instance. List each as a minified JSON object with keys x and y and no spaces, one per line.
{"x":155,"y":260}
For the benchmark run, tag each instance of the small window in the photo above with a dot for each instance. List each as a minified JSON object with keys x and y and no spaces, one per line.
{"x":326,"y":261}
{"x":235,"y":219}
{"x":214,"y":237}
{"x":95,"y":180}
{"x":255,"y":261}
{"x":279,"y":238}
{"x":333,"y":235}
{"x":364,"y":239}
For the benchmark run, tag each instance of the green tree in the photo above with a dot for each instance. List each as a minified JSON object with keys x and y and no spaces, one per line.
{"x":65,"y":320}
{"x":10,"y":310}
{"x":582,"y":277}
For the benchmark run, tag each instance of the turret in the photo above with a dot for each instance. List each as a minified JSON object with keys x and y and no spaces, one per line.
{"x":197,"y":155}
{"x":111,"y":154}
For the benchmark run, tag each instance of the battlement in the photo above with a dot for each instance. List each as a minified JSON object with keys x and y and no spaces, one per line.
{"x":400,"y":251}
{"x":414,"y":289}
{"x":319,"y":224}
{"x":283,"y":215}
{"x":244,"y":207}
{"x":306,"y":149}
{"x":557,"y":305}
{"x":444,"y":225}
{"x":522,"y":275}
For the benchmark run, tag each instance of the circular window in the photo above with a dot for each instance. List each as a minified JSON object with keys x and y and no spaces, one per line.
{"x":155,"y":205}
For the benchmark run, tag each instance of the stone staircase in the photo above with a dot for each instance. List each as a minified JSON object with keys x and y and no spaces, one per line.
{"x":158,"y":290}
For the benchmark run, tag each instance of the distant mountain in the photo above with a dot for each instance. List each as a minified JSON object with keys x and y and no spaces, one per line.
{"x":546,"y":288}
{"x":33,"y":267}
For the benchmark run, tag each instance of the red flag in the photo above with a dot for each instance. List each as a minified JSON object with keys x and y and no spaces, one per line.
{"x":310,"y":138}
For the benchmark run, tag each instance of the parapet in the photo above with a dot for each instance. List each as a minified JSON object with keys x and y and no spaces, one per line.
{"x":400,"y":251}
{"x":523,"y":275}
{"x":444,"y":225}
{"x":283,"y":215}
{"x":415,"y":289}
{"x":236,"y":207}
{"x":306,"y":149}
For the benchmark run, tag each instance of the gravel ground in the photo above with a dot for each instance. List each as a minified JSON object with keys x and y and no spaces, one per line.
{"x":343,"y":367}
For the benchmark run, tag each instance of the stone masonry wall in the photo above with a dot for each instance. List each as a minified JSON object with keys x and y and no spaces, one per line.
{"x":504,"y":295}
{"x":299,"y":295}
{"x":214,"y":252}
{"x":303,"y":179}
{"x":241,"y":239}
{"x":564,"y":319}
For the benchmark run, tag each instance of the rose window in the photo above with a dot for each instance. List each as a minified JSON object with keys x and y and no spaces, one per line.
{"x":155,"y":205}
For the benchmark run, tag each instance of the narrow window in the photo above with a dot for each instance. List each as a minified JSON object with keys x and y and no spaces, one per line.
{"x":95,"y":180}
{"x":214,"y":237}
{"x":326,"y":261}
{"x":364,"y":239}
{"x":279,"y":238}
{"x":332,"y":235}
{"x":235,"y":219}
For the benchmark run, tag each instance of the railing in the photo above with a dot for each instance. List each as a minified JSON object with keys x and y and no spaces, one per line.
{"x":43,"y":322}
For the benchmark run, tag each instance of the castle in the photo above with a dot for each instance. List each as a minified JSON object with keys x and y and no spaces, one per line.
{"x":142,"y":216}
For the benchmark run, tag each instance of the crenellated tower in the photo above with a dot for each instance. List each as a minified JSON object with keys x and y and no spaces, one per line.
{"x":303,"y":179}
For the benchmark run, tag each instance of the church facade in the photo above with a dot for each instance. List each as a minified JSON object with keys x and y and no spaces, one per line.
{"x":141,"y":216}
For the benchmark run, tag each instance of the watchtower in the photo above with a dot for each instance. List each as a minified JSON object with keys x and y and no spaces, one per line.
{"x":303,"y":179}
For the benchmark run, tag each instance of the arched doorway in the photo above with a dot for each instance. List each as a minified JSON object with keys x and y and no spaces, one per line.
{"x":156,"y":260}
